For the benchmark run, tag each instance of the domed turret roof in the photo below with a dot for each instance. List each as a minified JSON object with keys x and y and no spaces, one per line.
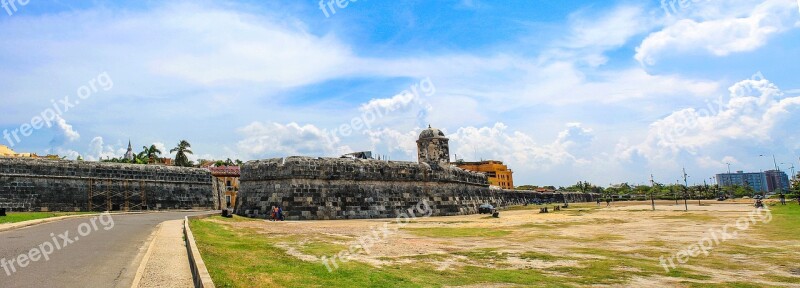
{"x":431,"y":133}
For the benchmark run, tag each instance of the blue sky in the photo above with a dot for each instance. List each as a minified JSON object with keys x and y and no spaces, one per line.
{"x":600,"y":91}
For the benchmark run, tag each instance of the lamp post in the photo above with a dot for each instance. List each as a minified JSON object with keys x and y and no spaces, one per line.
{"x":685,"y":192}
{"x":652,"y":187}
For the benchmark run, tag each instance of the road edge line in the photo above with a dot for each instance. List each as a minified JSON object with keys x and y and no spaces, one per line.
{"x":137,"y":278}
{"x":25,"y":224}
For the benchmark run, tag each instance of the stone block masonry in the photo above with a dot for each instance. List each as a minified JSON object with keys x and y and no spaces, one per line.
{"x":56,"y":185}
{"x":340,"y":188}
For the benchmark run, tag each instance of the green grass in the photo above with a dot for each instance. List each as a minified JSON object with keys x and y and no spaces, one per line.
{"x":784,"y":224}
{"x":420,"y":257}
{"x":576,"y":222}
{"x":446,"y":232}
{"x":234,"y":219}
{"x":724,"y":285}
{"x":14,"y":217}
{"x":320,"y":249}
{"x":245,"y":258}
{"x":689,"y":216}
{"x":483,"y":255}
{"x":532,"y":255}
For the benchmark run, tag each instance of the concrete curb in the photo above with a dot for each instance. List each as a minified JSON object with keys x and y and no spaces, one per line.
{"x":199,"y":272}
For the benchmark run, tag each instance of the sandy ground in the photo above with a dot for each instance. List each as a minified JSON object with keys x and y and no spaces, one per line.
{"x":626,"y":227}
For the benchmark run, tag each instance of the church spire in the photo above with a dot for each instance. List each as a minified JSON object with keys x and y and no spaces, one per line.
{"x":129,"y":153}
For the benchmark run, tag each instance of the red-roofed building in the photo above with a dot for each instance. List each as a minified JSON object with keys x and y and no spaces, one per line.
{"x":229,"y":175}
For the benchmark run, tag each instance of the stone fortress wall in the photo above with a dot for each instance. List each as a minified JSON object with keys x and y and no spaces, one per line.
{"x":340,"y":188}
{"x":28,"y":184}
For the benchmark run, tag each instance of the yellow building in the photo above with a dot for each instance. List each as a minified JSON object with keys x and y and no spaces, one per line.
{"x":7,"y":152}
{"x":497,"y":173}
{"x":229,"y":175}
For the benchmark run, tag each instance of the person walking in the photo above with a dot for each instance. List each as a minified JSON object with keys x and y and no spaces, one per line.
{"x":280,"y":213}
{"x":783,"y":199}
{"x":608,"y":202}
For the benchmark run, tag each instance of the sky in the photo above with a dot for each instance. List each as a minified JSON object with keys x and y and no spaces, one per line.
{"x":560,"y":91}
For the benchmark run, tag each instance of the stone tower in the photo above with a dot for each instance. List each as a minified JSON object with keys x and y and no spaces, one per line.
{"x":433,"y":147}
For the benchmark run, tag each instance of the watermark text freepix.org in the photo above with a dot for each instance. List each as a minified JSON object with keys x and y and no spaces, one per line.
{"x":374,"y":112}
{"x":674,"y":6}
{"x":11,"y":5}
{"x":328,"y":7}
{"x":365,"y":243}
{"x":56,"y":243}
{"x":715,"y":238}
{"x":50,"y":115}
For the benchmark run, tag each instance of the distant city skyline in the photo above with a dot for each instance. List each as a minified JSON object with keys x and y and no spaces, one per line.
{"x":561,"y":92}
{"x":763,"y":181}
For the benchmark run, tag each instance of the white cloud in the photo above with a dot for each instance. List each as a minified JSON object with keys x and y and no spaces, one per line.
{"x":394,"y":142}
{"x":278,"y":140}
{"x":517,"y":148}
{"x":752,"y":114}
{"x":575,"y":136}
{"x":98,"y":150}
{"x":63,"y":131}
{"x":722,"y":36}
{"x":609,"y":30}
{"x":67,"y":130}
{"x":163,"y":148}
{"x":399,"y":101}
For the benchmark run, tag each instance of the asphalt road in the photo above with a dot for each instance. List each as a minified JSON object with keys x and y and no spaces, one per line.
{"x":79,"y":252}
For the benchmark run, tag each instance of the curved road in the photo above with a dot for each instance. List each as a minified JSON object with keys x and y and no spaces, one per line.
{"x":78,"y":252}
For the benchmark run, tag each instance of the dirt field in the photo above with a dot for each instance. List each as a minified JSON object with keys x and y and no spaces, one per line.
{"x":585,"y":245}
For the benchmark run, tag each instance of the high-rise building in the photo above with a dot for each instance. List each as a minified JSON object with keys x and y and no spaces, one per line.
{"x":757,"y":180}
{"x":777,"y":179}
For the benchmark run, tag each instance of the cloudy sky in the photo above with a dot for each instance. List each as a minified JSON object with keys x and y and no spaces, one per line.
{"x":562,"y":91}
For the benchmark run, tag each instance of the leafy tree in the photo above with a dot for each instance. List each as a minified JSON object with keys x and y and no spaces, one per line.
{"x":796,"y":186}
{"x":742,"y":191}
{"x":151,"y":154}
{"x":180,"y":151}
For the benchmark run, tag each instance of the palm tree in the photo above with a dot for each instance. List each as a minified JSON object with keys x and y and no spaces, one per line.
{"x":180,"y":151}
{"x":151,"y":154}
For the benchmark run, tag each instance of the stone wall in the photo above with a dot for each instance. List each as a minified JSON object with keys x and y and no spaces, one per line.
{"x":37,"y":184}
{"x":335,"y":188}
